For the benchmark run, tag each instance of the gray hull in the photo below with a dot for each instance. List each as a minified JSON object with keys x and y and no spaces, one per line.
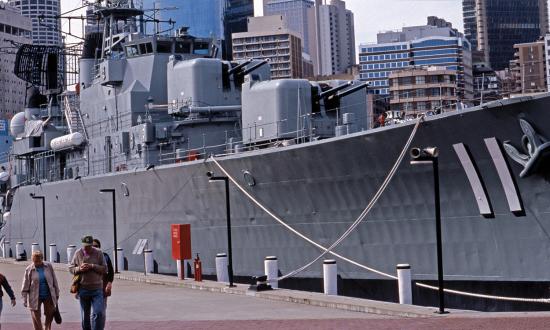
{"x":320,"y":188}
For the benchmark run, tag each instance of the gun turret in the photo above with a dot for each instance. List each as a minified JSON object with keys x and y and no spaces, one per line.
{"x":239,"y":67}
{"x":253,"y":68}
{"x":333,"y":91}
{"x":351,"y":90}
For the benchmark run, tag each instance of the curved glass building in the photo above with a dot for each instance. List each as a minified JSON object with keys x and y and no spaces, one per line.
{"x":216,"y":19}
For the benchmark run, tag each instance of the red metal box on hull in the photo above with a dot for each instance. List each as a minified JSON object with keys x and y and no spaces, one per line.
{"x":181,"y":241}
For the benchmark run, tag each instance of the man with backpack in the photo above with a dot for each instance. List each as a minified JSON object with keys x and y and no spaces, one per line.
{"x":107,"y":277}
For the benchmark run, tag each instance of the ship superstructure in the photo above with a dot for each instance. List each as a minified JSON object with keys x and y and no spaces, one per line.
{"x":152,"y":100}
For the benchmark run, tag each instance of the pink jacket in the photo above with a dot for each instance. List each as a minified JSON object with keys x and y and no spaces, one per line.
{"x":31,"y":285}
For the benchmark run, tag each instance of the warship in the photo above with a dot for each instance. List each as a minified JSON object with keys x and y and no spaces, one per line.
{"x":152,"y":115}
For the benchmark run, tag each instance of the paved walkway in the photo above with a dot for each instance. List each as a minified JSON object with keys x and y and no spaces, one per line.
{"x":136,"y":305}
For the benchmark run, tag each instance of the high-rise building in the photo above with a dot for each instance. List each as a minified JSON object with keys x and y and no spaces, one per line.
{"x":13,"y":28}
{"x":236,"y":16}
{"x":415,"y":91}
{"x":269,"y":38}
{"x":336,"y":37}
{"x":301,"y":18}
{"x":216,"y":19}
{"x":470,"y":24}
{"x":46,"y":26}
{"x":300,"y":15}
{"x":529,"y":67}
{"x":417,"y":46}
{"x":495,"y":26}
{"x":547,"y":58}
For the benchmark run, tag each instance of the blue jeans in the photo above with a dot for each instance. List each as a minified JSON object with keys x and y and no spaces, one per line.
{"x":92,"y":299}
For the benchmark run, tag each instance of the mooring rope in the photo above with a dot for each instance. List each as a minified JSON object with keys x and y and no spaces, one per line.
{"x":367,"y":209}
{"x":354,"y":225}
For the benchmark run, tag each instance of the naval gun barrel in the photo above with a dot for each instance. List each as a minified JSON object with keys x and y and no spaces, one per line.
{"x":216,"y":108}
{"x":334,"y":90}
{"x":239,"y":67}
{"x":253,"y":68}
{"x":352,"y":90}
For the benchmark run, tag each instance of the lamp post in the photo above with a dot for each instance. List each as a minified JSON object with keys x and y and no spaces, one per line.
{"x":225,"y":179}
{"x":427,"y":156}
{"x":43,"y":199}
{"x":112,"y":191}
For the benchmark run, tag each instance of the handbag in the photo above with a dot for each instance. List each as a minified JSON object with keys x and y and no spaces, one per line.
{"x":75,"y":285}
{"x":57,"y":315}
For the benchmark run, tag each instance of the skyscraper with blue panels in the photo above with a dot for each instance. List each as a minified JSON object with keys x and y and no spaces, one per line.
{"x":204,"y":17}
{"x":494,"y":26}
{"x":216,"y":19}
{"x":436,"y":47}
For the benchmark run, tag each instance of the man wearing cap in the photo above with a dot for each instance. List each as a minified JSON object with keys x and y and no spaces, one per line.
{"x":89,"y":264}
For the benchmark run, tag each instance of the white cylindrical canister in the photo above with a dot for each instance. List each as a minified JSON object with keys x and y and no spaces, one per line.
{"x":222,"y":273}
{"x":120,"y":259}
{"x":71,"y":249}
{"x":271,"y":267}
{"x":35,"y":247}
{"x":6,"y":249}
{"x":182,"y":270}
{"x":53,"y":252}
{"x":330,"y":277}
{"x":19,"y":250}
{"x":404,"y":283}
{"x":149,"y":261}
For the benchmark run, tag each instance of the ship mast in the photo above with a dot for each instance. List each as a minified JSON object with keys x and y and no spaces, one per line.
{"x":119,"y":23}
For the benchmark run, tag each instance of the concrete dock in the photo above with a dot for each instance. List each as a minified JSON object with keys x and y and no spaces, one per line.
{"x":164,"y":302}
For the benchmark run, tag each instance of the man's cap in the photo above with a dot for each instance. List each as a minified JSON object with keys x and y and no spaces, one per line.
{"x":87,"y":240}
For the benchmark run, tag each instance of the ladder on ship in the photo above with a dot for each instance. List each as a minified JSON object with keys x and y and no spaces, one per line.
{"x":73,"y":115}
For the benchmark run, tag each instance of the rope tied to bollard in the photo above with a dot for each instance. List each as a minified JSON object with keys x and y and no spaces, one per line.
{"x":359,"y":219}
{"x":354,"y":225}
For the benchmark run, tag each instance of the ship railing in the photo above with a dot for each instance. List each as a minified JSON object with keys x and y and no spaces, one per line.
{"x":228,"y":147}
{"x":305,"y":132}
{"x":177,"y":151}
{"x":43,"y":167}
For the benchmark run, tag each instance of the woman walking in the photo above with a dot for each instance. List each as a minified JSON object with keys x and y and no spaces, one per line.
{"x":4,"y":284}
{"x":40,"y":288}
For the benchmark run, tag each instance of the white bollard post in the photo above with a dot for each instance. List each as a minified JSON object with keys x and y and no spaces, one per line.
{"x":222,"y":273}
{"x":18,"y":250}
{"x":149,"y":262}
{"x":330,"y":277}
{"x":70,"y":253}
{"x":35,"y":247}
{"x":6,"y":250}
{"x":271,"y":267}
{"x":182,"y":269}
{"x":404,"y":283}
{"x":120,"y":258}
{"x":53,"y":252}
